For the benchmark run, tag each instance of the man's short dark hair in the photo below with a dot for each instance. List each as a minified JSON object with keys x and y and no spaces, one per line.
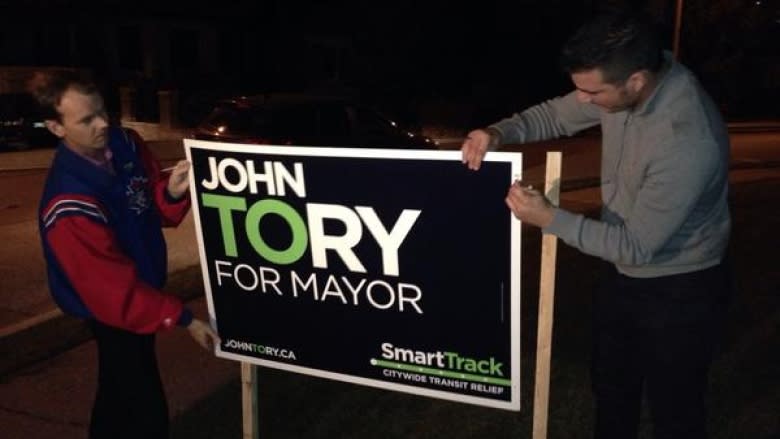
{"x":48,"y":87}
{"x":617,"y":43}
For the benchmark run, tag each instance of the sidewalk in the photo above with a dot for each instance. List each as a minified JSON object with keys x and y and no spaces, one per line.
{"x":53,"y":399}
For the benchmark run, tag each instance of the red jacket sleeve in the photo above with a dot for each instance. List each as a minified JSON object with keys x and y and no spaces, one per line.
{"x":106,"y":279}
{"x":172,"y":211}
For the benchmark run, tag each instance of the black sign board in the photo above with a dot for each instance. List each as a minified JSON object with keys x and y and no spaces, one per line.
{"x":393,"y":269}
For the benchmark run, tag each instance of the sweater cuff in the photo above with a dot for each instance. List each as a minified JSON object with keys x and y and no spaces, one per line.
{"x":185,"y":318}
{"x":563,"y":224}
{"x":496,"y":137}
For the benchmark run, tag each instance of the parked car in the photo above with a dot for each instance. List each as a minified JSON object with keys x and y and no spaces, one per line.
{"x":21,"y":125}
{"x":305,"y":120}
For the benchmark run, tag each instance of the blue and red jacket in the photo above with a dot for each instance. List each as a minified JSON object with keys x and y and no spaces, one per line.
{"x":102,"y":239}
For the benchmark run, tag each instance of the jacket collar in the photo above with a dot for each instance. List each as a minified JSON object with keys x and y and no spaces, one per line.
{"x":669,"y":69}
{"x":89,"y":172}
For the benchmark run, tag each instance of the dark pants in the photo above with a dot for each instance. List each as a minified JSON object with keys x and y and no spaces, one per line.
{"x":130,"y":401}
{"x":656,"y":333}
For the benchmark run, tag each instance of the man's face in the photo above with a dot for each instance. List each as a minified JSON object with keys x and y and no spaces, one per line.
{"x":613,"y":98}
{"x":83,"y":122}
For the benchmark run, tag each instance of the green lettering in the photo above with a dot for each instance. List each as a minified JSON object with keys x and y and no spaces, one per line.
{"x":226,"y":204}
{"x":300,"y":237}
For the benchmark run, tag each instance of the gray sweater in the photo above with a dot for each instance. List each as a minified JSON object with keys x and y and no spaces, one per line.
{"x":664,"y":177}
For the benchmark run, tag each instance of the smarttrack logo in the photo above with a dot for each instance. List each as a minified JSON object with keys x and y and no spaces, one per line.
{"x":443,"y":369}
{"x":260,"y":349}
{"x":443,"y":360}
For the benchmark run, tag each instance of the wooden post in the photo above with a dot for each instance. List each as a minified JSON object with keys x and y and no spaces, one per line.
{"x":552,"y":189}
{"x":678,"y":14}
{"x":249,"y":400}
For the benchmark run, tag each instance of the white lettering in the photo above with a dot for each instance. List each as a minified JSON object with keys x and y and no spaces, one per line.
{"x":389,"y":242}
{"x":275,"y":177}
{"x":320,"y":242}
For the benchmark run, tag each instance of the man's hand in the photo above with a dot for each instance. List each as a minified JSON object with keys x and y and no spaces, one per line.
{"x":203,"y":334}
{"x":477,"y":144}
{"x":179,"y":183}
{"x":474,"y":148}
{"x":529,"y":205}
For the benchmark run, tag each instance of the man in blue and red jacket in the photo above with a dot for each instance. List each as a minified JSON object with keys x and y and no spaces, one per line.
{"x":101,"y":213}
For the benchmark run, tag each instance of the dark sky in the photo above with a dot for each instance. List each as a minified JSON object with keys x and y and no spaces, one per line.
{"x":416,"y":50}
{"x":500,"y":53}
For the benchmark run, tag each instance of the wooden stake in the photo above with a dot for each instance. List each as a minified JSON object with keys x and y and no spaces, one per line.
{"x":249,"y":400}
{"x":678,"y":16}
{"x":552,"y":189}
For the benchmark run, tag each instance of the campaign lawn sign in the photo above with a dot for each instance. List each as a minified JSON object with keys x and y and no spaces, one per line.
{"x":398,"y":269}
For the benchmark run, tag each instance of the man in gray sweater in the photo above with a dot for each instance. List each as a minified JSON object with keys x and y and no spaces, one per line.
{"x":664,"y":224}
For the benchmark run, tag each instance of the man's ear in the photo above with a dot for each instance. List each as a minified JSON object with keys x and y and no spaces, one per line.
{"x":56,"y":128}
{"x":637,"y":81}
